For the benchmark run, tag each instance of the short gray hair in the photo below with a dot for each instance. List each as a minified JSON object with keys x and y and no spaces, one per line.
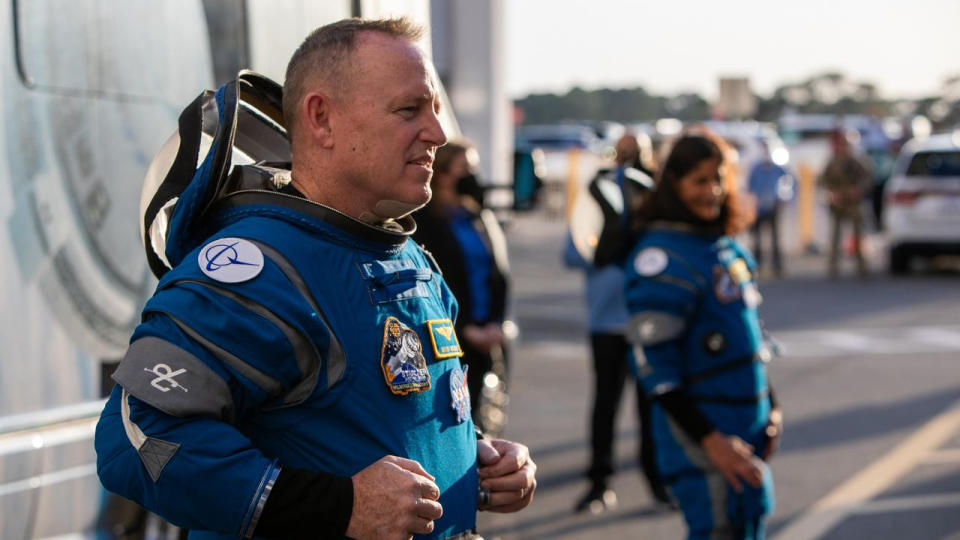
{"x":323,"y":52}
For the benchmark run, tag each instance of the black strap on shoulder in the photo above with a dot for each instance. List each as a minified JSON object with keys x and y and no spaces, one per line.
{"x":180,"y":173}
{"x":611,"y":244}
{"x":722,"y":368}
{"x":223,"y":151}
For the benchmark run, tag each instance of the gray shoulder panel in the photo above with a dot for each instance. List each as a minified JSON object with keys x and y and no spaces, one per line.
{"x":652,"y":327}
{"x":173,"y":380}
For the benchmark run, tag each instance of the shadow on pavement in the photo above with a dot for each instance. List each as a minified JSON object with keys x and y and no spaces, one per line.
{"x":789,"y":302}
{"x":861,"y":422}
{"x":567,"y":522}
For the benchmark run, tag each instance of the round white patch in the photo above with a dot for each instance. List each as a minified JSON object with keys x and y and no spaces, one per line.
{"x":230,"y":260}
{"x":651,"y":262}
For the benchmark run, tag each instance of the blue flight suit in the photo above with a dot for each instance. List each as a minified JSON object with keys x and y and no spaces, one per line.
{"x":337,"y":350}
{"x":692,"y":300}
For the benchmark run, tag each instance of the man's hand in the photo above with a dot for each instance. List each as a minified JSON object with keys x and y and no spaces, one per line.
{"x":774,"y":430}
{"x":393,"y":499}
{"x":734,"y":459}
{"x":509,"y":474}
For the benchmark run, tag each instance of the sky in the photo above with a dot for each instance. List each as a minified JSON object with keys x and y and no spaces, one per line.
{"x":906,"y":48}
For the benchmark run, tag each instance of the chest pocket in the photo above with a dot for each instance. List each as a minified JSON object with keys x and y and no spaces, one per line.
{"x":394,"y":280}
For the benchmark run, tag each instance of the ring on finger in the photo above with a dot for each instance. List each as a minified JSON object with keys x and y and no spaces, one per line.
{"x":484,"y":496}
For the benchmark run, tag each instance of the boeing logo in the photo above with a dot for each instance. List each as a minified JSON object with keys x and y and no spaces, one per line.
{"x":230,"y":260}
{"x":226,"y":256}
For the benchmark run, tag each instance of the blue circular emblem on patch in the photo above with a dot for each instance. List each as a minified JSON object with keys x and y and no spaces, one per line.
{"x":230,"y":260}
{"x":460,"y":393}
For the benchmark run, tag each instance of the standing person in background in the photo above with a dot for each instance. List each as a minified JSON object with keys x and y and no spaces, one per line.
{"x":295,"y":374}
{"x":846,"y":179}
{"x":693,"y":322}
{"x":607,"y":320}
{"x":471,"y":250}
{"x":772,"y":186}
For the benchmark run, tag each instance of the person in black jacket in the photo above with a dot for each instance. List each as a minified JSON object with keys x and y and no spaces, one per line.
{"x":469,"y":247}
{"x":617,"y":193}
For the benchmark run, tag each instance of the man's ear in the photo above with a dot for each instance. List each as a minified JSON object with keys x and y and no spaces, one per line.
{"x":316,"y":119}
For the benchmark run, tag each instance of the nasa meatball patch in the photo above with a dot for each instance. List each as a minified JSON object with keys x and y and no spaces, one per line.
{"x":402,"y":361}
{"x":460,"y":393}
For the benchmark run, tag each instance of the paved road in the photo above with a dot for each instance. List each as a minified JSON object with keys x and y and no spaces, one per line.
{"x":870,"y":384}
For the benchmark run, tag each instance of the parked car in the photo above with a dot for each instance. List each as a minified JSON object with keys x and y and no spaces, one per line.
{"x":922,"y":214}
{"x":558,"y":142}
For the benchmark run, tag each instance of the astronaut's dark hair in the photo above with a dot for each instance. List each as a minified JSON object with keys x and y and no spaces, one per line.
{"x":323,"y":56}
{"x":692,"y":147}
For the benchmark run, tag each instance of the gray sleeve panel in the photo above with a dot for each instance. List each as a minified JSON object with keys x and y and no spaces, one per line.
{"x":652,"y":327}
{"x":335,"y":357}
{"x":171,"y":379}
{"x":305,"y":354}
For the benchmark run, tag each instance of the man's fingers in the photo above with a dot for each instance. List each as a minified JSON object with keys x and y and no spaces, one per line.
{"x":421,"y":526}
{"x":513,"y":456}
{"x":486,"y":453}
{"x":520,"y":480}
{"x":427,"y":489}
{"x":510,"y":501}
{"x":428,"y":509}
{"x":409,"y":465}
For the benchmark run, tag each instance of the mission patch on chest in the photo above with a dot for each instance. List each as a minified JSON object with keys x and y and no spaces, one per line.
{"x":401,"y":358}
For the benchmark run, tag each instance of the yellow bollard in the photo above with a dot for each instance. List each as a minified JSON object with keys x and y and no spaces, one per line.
{"x":573,"y":181}
{"x":805,"y":205}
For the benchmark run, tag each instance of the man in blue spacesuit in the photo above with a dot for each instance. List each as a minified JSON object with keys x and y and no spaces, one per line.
{"x":296,"y":373}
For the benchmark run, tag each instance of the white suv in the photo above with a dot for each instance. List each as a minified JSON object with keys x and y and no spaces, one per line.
{"x":922,"y":216}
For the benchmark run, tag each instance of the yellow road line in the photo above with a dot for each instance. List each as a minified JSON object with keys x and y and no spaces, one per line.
{"x":874,"y":479}
{"x":947,"y":456}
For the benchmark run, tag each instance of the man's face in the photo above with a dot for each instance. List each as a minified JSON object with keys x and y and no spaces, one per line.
{"x":385,"y":125}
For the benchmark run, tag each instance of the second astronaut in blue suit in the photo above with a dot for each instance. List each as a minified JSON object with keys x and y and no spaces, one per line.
{"x":699,"y":346}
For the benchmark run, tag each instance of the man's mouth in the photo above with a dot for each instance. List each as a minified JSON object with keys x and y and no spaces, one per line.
{"x":425,"y":161}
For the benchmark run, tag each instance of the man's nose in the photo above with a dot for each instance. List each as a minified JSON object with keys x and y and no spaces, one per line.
{"x":433,"y":132}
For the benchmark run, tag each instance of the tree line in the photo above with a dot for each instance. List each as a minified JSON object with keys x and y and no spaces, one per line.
{"x":829,"y":92}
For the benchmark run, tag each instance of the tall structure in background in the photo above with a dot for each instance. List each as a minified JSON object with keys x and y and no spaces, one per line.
{"x":471,"y":61}
{"x":736,"y":101}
